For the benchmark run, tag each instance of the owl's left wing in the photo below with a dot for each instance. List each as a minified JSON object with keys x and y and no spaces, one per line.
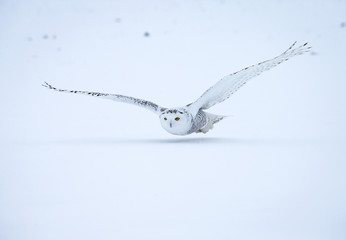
{"x":115,"y":97}
{"x":228,"y":85}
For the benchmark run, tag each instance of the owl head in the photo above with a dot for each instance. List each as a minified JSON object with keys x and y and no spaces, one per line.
{"x":176,"y":121}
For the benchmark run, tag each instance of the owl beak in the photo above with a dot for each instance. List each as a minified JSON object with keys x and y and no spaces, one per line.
{"x":170,"y":124}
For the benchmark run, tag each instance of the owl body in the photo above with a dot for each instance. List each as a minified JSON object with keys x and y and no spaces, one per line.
{"x":192,"y":118}
{"x":180,"y":121}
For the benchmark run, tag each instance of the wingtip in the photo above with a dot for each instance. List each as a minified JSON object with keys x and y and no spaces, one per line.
{"x":47,"y":85}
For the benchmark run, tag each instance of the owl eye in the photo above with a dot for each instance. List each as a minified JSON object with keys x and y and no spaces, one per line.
{"x":177,"y":119}
{"x":165,"y":118}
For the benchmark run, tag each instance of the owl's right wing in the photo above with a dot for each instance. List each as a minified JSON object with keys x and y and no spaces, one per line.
{"x":228,"y":85}
{"x":115,"y":97}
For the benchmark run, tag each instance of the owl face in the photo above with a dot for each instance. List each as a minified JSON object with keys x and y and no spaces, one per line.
{"x":176,"y":121}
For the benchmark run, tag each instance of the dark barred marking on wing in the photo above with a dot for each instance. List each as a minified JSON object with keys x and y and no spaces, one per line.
{"x":115,"y":97}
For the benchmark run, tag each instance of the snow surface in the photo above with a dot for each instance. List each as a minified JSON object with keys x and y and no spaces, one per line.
{"x":74,"y":167}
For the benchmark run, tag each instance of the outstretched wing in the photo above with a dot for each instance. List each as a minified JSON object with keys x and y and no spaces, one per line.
{"x":228,"y":85}
{"x":115,"y":97}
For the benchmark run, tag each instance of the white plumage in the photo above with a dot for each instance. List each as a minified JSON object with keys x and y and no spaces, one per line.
{"x":192,"y":117}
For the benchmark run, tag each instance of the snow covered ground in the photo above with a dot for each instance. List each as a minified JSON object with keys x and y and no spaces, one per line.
{"x":74,"y":167}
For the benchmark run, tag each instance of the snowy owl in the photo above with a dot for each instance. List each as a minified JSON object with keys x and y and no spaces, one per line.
{"x":192,"y":118}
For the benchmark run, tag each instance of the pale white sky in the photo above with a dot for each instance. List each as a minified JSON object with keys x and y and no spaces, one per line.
{"x":74,"y":167}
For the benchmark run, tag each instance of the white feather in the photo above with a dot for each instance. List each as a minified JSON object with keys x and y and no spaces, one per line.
{"x":228,"y":85}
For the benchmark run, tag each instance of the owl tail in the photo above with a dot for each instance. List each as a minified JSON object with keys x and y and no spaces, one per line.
{"x":212,"y":119}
